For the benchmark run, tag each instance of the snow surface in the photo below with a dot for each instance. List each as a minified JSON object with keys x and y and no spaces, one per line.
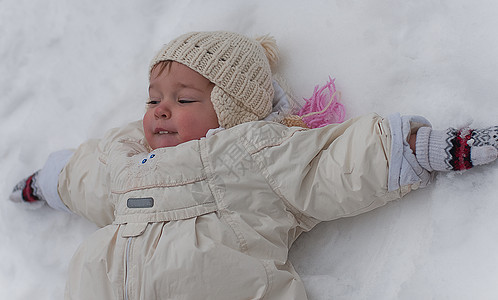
{"x":72,"y":69}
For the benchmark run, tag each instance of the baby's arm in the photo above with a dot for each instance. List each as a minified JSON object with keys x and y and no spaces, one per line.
{"x":335,"y":171}
{"x":356,"y":166}
{"x":79,"y":183}
{"x":71,"y":181}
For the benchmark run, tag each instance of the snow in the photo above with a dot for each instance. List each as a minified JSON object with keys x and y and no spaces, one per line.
{"x":71,"y":69}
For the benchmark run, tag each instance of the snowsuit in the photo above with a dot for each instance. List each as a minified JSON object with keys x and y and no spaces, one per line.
{"x":215,"y":218}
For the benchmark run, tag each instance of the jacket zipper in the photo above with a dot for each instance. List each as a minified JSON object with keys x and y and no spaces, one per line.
{"x":127,"y":267}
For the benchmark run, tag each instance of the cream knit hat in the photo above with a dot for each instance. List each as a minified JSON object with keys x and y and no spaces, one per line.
{"x":238,"y":66}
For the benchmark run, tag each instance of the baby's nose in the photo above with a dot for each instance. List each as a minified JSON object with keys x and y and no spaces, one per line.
{"x":163,"y":112}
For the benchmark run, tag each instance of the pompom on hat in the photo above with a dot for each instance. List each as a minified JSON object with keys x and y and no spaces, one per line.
{"x":238,"y":66}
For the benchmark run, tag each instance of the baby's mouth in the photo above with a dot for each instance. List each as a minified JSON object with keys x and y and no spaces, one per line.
{"x":161,"y":131}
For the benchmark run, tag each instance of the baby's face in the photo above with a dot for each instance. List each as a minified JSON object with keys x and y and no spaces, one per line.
{"x":179,"y":108}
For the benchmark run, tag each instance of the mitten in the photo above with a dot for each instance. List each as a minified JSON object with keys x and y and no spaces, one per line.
{"x":27,"y":190}
{"x":41,"y":187}
{"x":456,"y":149}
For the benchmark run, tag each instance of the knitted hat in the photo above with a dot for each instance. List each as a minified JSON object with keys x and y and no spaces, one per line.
{"x":238,"y":66}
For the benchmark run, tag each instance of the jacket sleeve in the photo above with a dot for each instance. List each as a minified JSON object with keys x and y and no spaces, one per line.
{"x":335,"y":171}
{"x":84,"y":183}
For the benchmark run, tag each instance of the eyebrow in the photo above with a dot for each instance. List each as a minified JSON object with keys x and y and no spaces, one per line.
{"x":186,"y":86}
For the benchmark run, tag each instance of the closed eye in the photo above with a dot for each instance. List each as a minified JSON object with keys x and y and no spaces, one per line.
{"x":152,"y":102}
{"x":183,"y":101}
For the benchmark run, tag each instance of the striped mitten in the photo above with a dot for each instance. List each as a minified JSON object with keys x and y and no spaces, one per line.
{"x":454,"y":150}
{"x":27,"y":190}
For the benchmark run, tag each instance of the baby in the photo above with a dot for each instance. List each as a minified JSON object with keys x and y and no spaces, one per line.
{"x":205,"y":196}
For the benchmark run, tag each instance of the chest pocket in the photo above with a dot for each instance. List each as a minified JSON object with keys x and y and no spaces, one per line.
{"x":165,"y":185}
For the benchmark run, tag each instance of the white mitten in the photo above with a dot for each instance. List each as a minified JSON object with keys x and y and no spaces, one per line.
{"x":453,"y":149}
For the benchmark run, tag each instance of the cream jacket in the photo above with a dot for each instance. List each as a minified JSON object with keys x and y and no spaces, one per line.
{"x":214,"y":218}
